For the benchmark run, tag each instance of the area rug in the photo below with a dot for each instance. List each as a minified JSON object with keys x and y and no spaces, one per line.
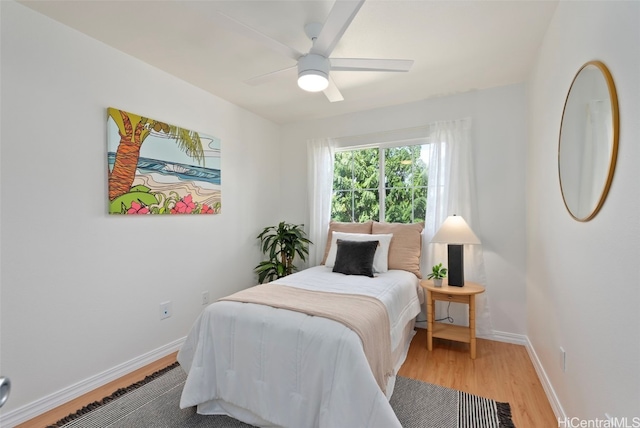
{"x":153,"y":402}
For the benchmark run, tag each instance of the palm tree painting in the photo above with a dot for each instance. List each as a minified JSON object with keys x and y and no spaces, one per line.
{"x":175,"y":171}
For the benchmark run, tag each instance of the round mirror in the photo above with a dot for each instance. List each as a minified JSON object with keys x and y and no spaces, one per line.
{"x":588,"y":144}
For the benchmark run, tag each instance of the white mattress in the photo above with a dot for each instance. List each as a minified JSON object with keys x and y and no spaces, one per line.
{"x":273,"y":367}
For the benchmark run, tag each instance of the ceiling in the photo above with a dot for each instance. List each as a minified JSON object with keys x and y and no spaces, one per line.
{"x":457,"y":46}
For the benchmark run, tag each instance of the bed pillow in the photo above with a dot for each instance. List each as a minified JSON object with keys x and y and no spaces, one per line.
{"x":381,"y":258}
{"x":355,"y":257}
{"x":405,"y":247}
{"x":338,"y":226}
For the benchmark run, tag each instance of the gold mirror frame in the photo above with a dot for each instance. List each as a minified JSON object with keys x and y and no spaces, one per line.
{"x":613,"y":143}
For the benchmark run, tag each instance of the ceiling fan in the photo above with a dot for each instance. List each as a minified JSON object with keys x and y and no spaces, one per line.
{"x":314,"y":66}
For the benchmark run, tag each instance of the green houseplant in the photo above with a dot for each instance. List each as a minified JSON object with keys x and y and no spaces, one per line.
{"x":438,"y":273}
{"x":281,"y":244}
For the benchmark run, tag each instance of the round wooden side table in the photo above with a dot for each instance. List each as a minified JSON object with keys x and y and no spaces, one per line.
{"x":465,"y":294}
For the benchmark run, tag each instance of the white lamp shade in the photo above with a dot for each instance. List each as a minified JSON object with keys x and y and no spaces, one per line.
{"x":455,"y":230}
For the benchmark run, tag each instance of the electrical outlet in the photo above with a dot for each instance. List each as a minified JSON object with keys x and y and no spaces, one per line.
{"x":165,"y":310}
{"x":563,"y":359}
{"x":205,"y":297}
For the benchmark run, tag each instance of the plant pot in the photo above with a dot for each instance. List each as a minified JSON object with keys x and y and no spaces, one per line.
{"x":437,"y":282}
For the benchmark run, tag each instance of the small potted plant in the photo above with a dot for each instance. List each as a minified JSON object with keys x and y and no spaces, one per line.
{"x":438,"y":273}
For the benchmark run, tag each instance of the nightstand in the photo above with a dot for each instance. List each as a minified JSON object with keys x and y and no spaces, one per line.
{"x":446,"y":293}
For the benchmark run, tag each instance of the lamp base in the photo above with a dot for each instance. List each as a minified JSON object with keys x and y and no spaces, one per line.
{"x":456,"y":265}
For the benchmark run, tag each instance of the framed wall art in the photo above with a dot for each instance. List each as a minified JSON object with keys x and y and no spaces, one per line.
{"x":158,"y":168}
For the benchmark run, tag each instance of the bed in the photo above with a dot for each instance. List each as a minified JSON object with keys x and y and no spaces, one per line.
{"x":271,"y":366}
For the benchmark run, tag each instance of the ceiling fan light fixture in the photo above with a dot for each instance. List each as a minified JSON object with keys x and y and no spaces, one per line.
{"x":313,"y":73}
{"x":312,"y":82}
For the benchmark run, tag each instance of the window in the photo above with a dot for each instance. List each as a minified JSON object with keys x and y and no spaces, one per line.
{"x":388,"y":183}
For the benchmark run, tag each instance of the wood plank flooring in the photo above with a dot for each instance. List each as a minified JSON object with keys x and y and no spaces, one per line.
{"x":501,"y":371}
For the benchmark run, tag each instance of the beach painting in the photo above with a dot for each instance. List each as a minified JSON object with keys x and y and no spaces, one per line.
{"x":158,"y":168}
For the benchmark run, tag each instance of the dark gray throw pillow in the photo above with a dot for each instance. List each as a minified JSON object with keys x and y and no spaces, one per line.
{"x":355,"y":258}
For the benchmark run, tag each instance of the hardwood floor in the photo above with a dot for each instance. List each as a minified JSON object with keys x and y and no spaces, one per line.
{"x":501,"y":371}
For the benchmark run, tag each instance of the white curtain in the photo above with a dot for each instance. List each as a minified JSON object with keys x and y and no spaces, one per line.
{"x":452,"y":191}
{"x":320,"y":155}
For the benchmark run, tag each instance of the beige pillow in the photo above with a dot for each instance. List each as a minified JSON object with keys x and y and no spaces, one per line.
{"x":406,"y":245}
{"x":347,"y":228}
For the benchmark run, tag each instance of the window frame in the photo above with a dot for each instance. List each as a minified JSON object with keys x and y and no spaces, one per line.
{"x":382,"y":146}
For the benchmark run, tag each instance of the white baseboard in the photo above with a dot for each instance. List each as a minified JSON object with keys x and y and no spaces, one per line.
{"x":503,"y":336}
{"x":558,"y":410}
{"x":50,"y":402}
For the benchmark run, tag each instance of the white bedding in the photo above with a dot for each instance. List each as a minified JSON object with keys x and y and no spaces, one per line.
{"x":273,"y":367}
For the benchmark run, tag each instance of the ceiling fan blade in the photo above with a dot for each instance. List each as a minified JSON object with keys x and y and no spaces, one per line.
{"x":366,"y":64}
{"x":341,"y":15}
{"x":332,"y":92}
{"x":258,"y":80}
{"x":234,"y":25}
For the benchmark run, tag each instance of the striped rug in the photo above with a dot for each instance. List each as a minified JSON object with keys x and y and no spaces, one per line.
{"x":154,"y":403}
{"x":419,"y":405}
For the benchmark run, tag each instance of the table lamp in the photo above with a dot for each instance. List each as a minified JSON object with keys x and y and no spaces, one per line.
{"x":455,"y":232}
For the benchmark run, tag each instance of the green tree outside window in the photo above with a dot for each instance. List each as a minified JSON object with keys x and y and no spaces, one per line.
{"x":358,"y":195}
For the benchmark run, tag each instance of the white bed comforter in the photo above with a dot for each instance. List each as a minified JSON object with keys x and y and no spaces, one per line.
{"x":274,"y":367}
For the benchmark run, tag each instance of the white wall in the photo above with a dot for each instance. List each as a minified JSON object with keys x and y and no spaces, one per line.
{"x":81,"y":289}
{"x":499,"y":133}
{"x":583,"y":288}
